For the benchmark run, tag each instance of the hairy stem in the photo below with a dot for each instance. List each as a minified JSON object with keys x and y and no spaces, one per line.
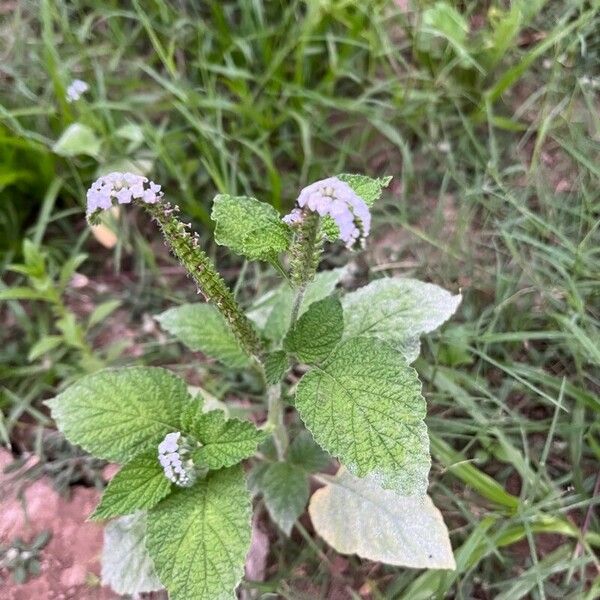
{"x":306,"y":250}
{"x":186,"y":248}
{"x":275,"y":420}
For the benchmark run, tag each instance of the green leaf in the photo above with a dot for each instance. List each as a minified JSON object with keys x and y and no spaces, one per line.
{"x":102,"y":311}
{"x":367,"y":188}
{"x":24,"y":293}
{"x":307,"y":454}
{"x":284,"y":487}
{"x":126,"y":564}
{"x":397,"y":311}
{"x":251,"y":228}
{"x":317,"y":331}
{"x":77,"y":139}
{"x":43,"y":345}
{"x":224,"y":442}
{"x":364,"y":405}
{"x":117,"y":413}
{"x":356,"y":516}
{"x":202,"y":328}
{"x":272,"y":312}
{"x":140,"y":484}
{"x":276,"y":364}
{"x":198,"y":538}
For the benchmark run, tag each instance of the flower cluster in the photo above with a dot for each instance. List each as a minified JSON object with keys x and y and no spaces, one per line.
{"x":76,"y":90}
{"x":122,"y":187}
{"x":336,"y":199}
{"x":174,"y":457}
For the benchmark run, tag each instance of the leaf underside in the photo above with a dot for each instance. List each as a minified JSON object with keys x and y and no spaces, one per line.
{"x":202,"y":328}
{"x":356,"y":516}
{"x":397,"y":311}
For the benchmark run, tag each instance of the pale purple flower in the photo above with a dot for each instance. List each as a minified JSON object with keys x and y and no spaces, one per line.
{"x":175,"y":459}
{"x":76,"y":89}
{"x":336,"y":199}
{"x":122,"y":187}
{"x":294,"y":217}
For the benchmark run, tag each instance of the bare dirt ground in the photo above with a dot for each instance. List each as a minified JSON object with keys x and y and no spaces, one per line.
{"x":70,"y":562}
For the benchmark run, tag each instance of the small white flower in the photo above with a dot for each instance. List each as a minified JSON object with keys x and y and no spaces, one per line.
{"x":76,"y":90}
{"x":336,"y":199}
{"x":122,"y":187}
{"x":174,"y":456}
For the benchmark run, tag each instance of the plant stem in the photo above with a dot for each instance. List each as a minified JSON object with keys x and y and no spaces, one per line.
{"x":210,"y":284}
{"x":275,"y":419}
{"x":297,"y":304}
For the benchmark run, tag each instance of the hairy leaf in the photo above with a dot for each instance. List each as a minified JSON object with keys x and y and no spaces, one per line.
{"x":276,"y":365}
{"x":202,"y":328}
{"x":398,"y":311}
{"x":198,"y":537}
{"x":126,"y":564}
{"x":317,"y":331}
{"x":117,"y":413}
{"x":251,"y":228}
{"x":284,"y":487}
{"x":272,"y":312}
{"x":364,"y":405}
{"x":140,"y":484}
{"x":307,"y":454}
{"x":224,"y":442}
{"x":367,"y":188}
{"x":356,"y":516}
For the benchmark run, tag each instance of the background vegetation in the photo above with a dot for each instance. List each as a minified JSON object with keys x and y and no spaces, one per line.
{"x":487,"y":115}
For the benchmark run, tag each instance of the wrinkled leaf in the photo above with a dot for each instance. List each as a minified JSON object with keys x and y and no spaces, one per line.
{"x":364,"y":406}
{"x":117,"y":413}
{"x":317,"y":331}
{"x":140,"y":484}
{"x":251,"y":228}
{"x":198,"y":537}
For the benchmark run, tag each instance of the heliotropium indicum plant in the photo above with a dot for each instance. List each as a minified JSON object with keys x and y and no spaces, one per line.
{"x":180,"y":507}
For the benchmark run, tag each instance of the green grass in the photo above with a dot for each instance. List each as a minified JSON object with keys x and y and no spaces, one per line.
{"x":493,"y":136}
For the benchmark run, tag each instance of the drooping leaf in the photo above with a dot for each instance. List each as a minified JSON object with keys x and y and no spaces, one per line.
{"x":140,"y":484}
{"x":364,"y":405}
{"x":307,"y":454}
{"x":284,"y":487}
{"x":368,"y":188}
{"x":126,"y":564}
{"x":77,"y":139}
{"x":272,"y":312}
{"x":198,"y":537}
{"x":202,"y":328}
{"x":317,"y":331}
{"x":251,"y":228}
{"x":356,"y":516}
{"x":225,"y":442}
{"x":117,"y":413}
{"x":397,"y":311}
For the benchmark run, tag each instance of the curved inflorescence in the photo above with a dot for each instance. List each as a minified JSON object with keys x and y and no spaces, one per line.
{"x":122,"y":187}
{"x":174,"y":457}
{"x":336,"y":199}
